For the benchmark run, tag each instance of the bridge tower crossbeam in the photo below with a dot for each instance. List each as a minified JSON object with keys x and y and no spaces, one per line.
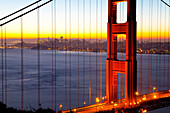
{"x":115,"y":66}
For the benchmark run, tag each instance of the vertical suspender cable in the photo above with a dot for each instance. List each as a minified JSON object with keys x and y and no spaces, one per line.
{"x":141,"y":46}
{"x":157,"y":44}
{"x":168,"y":48}
{"x":90,"y":58}
{"x":22,"y":76}
{"x":70,"y":48}
{"x":96,"y":47}
{"x":2,"y":64}
{"x":160,"y":48}
{"x":83,"y":51}
{"x":78,"y":54}
{"x":5,"y":68}
{"x":52,"y":46}
{"x":38,"y":44}
{"x":65,"y":54}
{"x":151,"y":48}
{"x":101,"y":56}
{"x":164,"y":46}
{"x":55,"y":49}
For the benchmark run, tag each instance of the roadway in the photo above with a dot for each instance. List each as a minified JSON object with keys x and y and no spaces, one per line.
{"x":104,"y":106}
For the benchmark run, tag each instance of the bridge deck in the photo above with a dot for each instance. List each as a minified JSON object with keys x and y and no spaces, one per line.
{"x":120,"y":104}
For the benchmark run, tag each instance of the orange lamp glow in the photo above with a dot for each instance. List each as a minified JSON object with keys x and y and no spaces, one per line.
{"x":84,"y":103}
{"x":137,"y":93}
{"x":144,"y":111}
{"x":75,"y":110}
{"x":115,"y":104}
{"x":97,"y":100}
{"x":154,"y":96}
{"x":154,"y":88}
{"x":112,"y":102}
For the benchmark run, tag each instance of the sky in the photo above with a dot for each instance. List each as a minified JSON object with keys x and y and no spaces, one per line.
{"x":99,"y":16}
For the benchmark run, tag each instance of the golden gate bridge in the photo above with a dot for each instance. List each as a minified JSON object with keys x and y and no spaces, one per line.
{"x":121,"y":65}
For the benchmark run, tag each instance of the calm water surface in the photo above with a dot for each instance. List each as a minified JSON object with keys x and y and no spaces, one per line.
{"x":30,"y":76}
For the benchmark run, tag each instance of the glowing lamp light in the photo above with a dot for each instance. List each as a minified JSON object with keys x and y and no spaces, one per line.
{"x":137,"y":93}
{"x":144,"y":111}
{"x":75,"y":110}
{"x":84,"y":103}
{"x":105,"y":97}
{"x":125,"y":104}
{"x":137,"y":102}
{"x":112,"y":102}
{"x":134,"y":103}
{"x":61,"y":106}
{"x":115,"y":104}
{"x":169,"y":90}
{"x":130,"y":103}
{"x":154,"y":88}
{"x":144,"y":98}
{"x":97,"y":100}
{"x":154,"y":96}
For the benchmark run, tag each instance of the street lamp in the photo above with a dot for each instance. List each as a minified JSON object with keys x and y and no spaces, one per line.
{"x":103,"y":99}
{"x":74,"y":110}
{"x":144,"y":97}
{"x":97,"y":101}
{"x":154,"y":96}
{"x":60,"y":107}
{"x":136,"y":93}
{"x":154,"y":88}
{"x":84,"y":103}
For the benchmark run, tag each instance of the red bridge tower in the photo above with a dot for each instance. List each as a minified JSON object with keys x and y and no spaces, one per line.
{"x":113,"y":65}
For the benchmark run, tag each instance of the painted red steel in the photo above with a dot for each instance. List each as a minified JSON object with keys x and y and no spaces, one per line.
{"x":113,"y":65}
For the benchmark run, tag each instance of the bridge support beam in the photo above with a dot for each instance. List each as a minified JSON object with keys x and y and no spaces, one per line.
{"x":113,"y":65}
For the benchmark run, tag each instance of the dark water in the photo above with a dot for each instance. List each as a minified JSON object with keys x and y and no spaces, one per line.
{"x":30,"y":76}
